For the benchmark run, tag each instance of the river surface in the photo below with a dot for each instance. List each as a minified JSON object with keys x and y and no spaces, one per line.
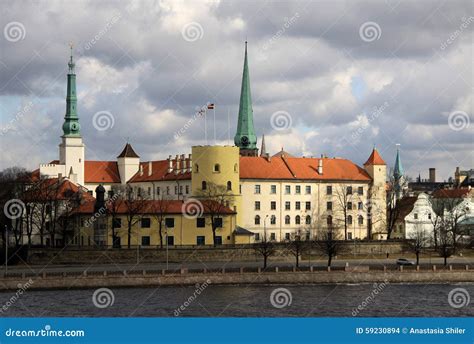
{"x":391,"y":300}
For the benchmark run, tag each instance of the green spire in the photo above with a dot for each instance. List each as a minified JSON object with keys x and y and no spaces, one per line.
{"x":398,"y":168}
{"x":245,"y":137}
{"x":71,"y":126}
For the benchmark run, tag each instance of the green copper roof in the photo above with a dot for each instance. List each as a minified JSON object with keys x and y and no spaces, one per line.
{"x":245,"y":137}
{"x":398,"y":168}
{"x":71,"y":126}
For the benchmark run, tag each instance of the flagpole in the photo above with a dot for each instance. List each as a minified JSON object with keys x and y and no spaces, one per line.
{"x":214,"y":109}
{"x":228,"y":126}
{"x":205,"y":125}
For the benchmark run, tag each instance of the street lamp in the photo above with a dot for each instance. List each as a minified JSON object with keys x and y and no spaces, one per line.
{"x":265,"y":228}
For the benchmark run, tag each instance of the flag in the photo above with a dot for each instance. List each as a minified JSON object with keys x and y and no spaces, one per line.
{"x":210,"y":106}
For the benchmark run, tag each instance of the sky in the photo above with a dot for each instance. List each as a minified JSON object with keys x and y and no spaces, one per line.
{"x":327,"y":77}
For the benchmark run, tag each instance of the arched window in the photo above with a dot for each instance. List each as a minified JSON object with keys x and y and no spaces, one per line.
{"x":257,"y":219}
{"x":349,"y":220}
{"x":308,"y":219}
{"x":236,"y":168}
{"x":329,"y":220}
{"x":229,"y":185}
{"x":287,"y":220}
{"x":361,"y":220}
{"x":273,"y":220}
{"x":204,"y":185}
{"x":196,"y":168}
{"x":297,"y":220}
{"x":217,"y":168}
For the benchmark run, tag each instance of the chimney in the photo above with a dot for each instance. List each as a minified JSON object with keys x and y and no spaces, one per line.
{"x":141,"y":170}
{"x":150,"y":168}
{"x":176,"y":171}
{"x":189,"y":163}
{"x":170,"y":164}
{"x":432,"y":175}
{"x":320,"y":166}
{"x":183,"y":166}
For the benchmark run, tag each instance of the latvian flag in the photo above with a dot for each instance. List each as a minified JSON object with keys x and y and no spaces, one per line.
{"x":210,"y":106}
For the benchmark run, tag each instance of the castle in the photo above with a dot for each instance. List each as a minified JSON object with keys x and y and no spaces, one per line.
{"x":276,"y":196}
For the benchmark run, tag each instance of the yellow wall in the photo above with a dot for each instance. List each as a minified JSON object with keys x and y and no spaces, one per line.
{"x":185,"y":231}
{"x":204,"y":160}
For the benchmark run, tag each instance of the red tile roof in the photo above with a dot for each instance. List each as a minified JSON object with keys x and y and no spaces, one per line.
{"x":451,"y":193}
{"x":375,"y":159}
{"x":55,"y":189}
{"x":101,"y":172}
{"x":149,"y":207}
{"x":159,"y":171}
{"x":300,"y":168}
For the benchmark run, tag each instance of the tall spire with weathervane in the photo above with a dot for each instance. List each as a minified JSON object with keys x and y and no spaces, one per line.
{"x":71,"y":126}
{"x":398,"y":175}
{"x":245,"y":137}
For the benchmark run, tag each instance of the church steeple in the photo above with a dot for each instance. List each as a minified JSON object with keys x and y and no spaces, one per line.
{"x":263,"y":149}
{"x":245,"y":137}
{"x":398,"y":168}
{"x":71,"y":126}
{"x":398,"y":176}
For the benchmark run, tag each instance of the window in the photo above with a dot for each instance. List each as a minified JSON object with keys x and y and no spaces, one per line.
{"x":218,"y":240}
{"x":287,"y":236}
{"x":287,"y":205}
{"x":273,"y":189}
{"x":149,"y":191}
{"x":158,"y":190}
{"x":360,"y":206}
{"x":257,"y":236}
{"x":298,"y":189}
{"x":329,"y":206}
{"x":349,"y":220}
{"x":361,"y":220}
{"x":257,"y":189}
{"x":308,"y":205}
{"x":217,"y":168}
{"x":170,"y":240}
{"x":180,"y":189}
{"x":236,"y":168}
{"x":273,"y":220}
{"x":196,"y":168}
{"x":349,"y":205}
{"x":145,"y":241}
{"x":200,"y":222}
{"x":169,"y":222}
{"x":287,"y":189}
{"x":287,"y":220}
{"x":297,"y":220}
{"x":116,"y":223}
{"x":229,"y":185}
{"x":272,"y":236}
{"x":146,"y":222}
{"x":257,"y":219}
{"x":429,"y":216}
{"x":308,"y":189}
{"x":329,"y":220}
{"x":257,"y":205}
{"x":200,"y":240}
{"x":167,"y":190}
{"x":218,"y":222}
{"x":329,"y":190}
{"x":349,"y":235}
{"x":204,"y":185}
{"x":349,"y":190}
{"x":273,"y":205}
{"x":297,"y":205}
{"x":415,"y":215}
{"x":308,"y":220}
{"x":187,"y":189}
{"x":360,"y":190}
{"x":176,"y":189}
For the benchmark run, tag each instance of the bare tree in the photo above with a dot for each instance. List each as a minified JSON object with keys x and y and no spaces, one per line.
{"x":446,"y":242}
{"x":329,"y":242}
{"x":298,"y":246}
{"x":160,"y":211}
{"x":418,"y":240}
{"x":215,"y":201}
{"x":343,"y":195}
{"x":265,"y":248}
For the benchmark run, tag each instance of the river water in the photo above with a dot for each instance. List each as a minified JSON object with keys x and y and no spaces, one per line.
{"x":391,"y":300}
